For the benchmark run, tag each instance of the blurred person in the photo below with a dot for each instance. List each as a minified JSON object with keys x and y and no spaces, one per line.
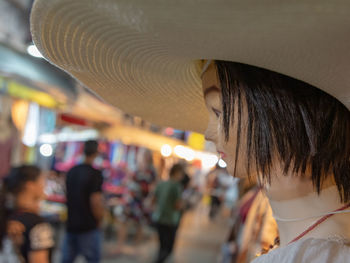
{"x":135,"y":212}
{"x":167,"y":214}
{"x":145,"y":174}
{"x":188,"y":194}
{"x":144,"y":182}
{"x":128,"y":214}
{"x":216,"y":190}
{"x":186,"y":189}
{"x":186,"y":179}
{"x":85,"y":209}
{"x":21,"y":193}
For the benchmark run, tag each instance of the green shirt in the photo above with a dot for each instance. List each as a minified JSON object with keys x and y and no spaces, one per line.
{"x":167,"y":194}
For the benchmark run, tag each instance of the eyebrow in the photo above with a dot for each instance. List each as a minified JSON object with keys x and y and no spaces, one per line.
{"x":212,"y":88}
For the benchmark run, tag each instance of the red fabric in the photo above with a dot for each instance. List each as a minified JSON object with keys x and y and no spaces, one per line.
{"x":244,"y":209}
{"x":56,"y":198}
{"x":5,"y":156}
{"x":73,"y":120}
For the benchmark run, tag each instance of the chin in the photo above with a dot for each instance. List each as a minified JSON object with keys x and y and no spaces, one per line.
{"x":231,"y":170}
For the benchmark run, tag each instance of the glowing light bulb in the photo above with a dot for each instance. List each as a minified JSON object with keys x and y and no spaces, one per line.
{"x":46,"y":150}
{"x":166,"y":150}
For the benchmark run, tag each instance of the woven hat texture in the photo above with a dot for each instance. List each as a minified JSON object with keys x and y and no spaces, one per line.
{"x":142,"y":56}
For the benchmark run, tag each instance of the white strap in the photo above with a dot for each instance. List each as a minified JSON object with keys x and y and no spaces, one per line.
{"x":309,"y":217}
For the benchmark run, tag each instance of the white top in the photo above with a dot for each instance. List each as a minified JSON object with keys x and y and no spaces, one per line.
{"x":309,"y":250}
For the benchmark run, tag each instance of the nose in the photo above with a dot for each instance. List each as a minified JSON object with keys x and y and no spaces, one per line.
{"x":207,"y":135}
{"x":210,"y":133}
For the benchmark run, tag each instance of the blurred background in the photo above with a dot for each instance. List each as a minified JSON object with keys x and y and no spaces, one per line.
{"x":45,"y":118}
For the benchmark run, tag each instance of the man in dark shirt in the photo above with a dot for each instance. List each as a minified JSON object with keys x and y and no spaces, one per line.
{"x":85,"y":209}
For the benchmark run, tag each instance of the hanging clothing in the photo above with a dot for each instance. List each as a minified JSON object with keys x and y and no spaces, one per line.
{"x":5,"y":156}
{"x":259,"y":230}
{"x":9,"y":138}
{"x":10,"y":152}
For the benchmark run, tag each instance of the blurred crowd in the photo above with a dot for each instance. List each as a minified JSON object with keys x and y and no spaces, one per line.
{"x":123,"y":207}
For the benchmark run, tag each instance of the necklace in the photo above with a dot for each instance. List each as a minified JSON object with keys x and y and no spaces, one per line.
{"x":309,"y":217}
{"x":310,"y":228}
{"x":318,"y":222}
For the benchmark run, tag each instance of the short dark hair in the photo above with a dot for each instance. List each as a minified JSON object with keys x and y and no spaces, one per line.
{"x":302,"y":124}
{"x":90,"y":147}
{"x":175,"y":169}
{"x":19,"y":176}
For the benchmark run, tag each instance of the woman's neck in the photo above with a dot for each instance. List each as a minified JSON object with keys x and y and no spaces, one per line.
{"x":293,"y":198}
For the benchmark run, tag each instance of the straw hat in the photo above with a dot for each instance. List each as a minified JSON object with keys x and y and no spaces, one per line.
{"x":142,"y":56}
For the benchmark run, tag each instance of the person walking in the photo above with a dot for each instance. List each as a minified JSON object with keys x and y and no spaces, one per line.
{"x":85,"y":209}
{"x":167,"y":212}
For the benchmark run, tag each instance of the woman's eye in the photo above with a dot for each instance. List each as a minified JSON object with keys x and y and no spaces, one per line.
{"x":216,"y":112}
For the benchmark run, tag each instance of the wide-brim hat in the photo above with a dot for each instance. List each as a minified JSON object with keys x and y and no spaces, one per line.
{"x":142,"y":56}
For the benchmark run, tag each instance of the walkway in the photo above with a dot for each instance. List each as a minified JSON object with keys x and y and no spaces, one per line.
{"x":199,"y":240}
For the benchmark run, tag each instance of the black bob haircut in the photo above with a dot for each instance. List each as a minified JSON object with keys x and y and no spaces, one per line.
{"x":304,"y":126}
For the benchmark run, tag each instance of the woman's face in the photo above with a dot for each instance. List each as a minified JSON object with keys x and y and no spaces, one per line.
{"x":215,"y":131}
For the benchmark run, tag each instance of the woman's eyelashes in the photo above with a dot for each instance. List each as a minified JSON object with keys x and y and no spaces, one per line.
{"x":216,"y":112}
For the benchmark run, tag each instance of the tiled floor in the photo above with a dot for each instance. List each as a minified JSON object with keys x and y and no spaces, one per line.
{"x":199,"y":240}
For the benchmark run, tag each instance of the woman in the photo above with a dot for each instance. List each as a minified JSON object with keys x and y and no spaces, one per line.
{"x":22,"y":191}
{"x":145,"y":58}
{"x":303,"y":162}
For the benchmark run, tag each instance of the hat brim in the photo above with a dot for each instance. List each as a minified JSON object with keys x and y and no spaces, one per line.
{"x":142,"y":56}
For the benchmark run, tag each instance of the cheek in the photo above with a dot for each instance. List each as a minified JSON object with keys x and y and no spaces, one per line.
{"x":212,"y":130}
{"x":220,"y":133}
{"x":229,"y":148}
{"x":226,"y":145}
{"x":40,"y":189}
